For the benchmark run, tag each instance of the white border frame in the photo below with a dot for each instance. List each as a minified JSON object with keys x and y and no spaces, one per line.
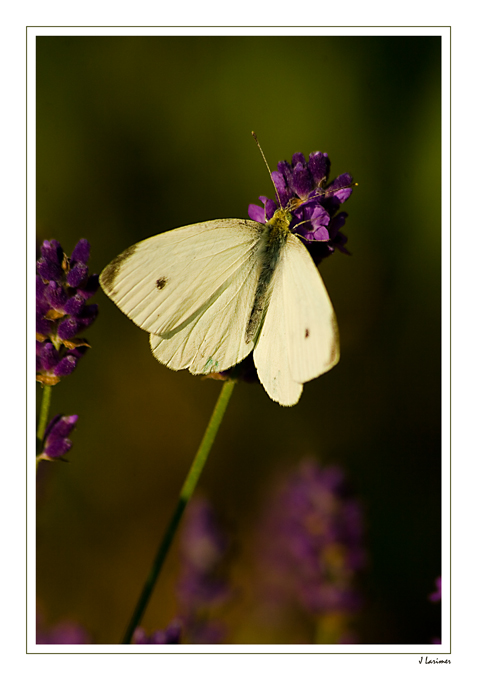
{"x":440,"y":650}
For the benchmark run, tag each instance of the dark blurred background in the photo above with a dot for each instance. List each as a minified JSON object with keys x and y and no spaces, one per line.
{"x":138,"y":135}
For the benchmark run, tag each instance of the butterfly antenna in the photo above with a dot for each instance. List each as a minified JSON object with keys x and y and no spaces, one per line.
{"x":269,"y":172}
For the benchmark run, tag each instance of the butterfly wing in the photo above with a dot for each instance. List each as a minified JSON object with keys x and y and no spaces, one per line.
{"x":299,"y":337}
{"x":193,"y":289}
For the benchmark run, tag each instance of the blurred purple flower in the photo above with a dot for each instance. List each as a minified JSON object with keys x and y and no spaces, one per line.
{"x":302,"y":189}
{"x":436,"y":596}
{"x":202,"y":587}
{"x":56,"y":442}
{"x":63,"y":285}
{"x":311,"y":543}
{"x":170,"y":636}
{"x":64,"y":633}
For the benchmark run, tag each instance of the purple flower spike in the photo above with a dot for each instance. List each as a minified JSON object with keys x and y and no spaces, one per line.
{"x":302,"y":189}
{"x":56,"y":442}
{"x":63,"y":633}
{"x":170,"y":636}
{"x":436,"y":596}
{"x":311,"y":542}
{"x":202,"y":587}
{"x":63,"y":287}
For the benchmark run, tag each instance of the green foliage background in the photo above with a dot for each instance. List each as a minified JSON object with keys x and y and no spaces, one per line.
{"x":137,"y":135}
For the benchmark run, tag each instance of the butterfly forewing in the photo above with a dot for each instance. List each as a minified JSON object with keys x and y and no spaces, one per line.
{"x":214,"y":339}
{"x":162,"y":282}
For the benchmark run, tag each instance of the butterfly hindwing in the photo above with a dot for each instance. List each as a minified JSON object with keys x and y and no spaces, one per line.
{"x":312,"y":330}
{"x":271,"y":355}
{"x":299,"y":339}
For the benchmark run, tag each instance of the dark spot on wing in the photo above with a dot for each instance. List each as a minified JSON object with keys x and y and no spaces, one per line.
{"x":307,"y":333}
{"x":109,"y":274}
{"x":160,"y":283}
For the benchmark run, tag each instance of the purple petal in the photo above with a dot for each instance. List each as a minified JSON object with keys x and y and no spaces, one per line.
{"x":42,"y":304}
{"x":320,"y":216}
{"x":43,"y":326}
{"x":80,"y":252}
{"x":49,"y":356}
{"x":319,"y":234}
{"x":285,"y":169}
{"x":61,"y":426}
{"x":298,"y":158}
{"x":52,"y":251}
{"x":88,"y":315}
{"x":340,"y":187}
{"x":68,"y":328}
{"x":336,"y":223}
{"x":319,"y":165}
{"x":57,"y":448}
{"x":270,"y":208}
{"x":302,"y":183}
{"x":49,"y":271}
{"x":56,"y":296}
{"x":75,"y":305}
{"x":90,"y":287}
{"x":51,"y":425}
{"x":66,"y":366}
{"x":282,"y":187}
{"x":256,"y":213}
{"x":78,"y":352}
{"x":78,"y":275}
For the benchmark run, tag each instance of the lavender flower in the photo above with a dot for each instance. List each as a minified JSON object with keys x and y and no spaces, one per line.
{"x":311,"y":545}
{"x":64,"y":633}
{"x":56,"y":442}
{"x":436,"y":596}
{"x":202,"y":586}
{"x":170,"y":636}
{"x":302,"y":188}
{"x":63,"y":285}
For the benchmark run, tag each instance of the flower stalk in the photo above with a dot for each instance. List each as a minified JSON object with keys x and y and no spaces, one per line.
{"x":45,"y":408}
{"x":185,"y":494}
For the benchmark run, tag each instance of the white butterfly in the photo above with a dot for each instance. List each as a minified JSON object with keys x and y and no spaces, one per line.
{"x":211,"y":293}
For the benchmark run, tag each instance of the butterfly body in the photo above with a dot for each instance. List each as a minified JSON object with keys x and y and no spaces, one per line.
{"x":276,"y":238}
{"x":211,"y":293}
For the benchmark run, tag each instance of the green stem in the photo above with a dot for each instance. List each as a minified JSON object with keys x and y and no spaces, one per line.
{"x":45,"y":407}
{"x":44,"y":410}
{"x":184,"y":497}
